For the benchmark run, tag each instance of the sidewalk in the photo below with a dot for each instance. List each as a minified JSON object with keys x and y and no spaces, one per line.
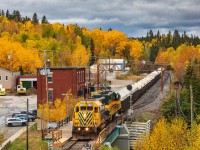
{"x":16,"y":135}
{"x":67,"y":130}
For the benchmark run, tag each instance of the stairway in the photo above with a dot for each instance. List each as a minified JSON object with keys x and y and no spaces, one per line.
{"x":138,"y":131}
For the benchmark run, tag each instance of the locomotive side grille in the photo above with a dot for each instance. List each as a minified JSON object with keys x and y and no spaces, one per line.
{"x":87,"y":120}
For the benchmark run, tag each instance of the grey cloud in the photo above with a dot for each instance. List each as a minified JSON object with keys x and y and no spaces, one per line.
{"x":134,"y":17}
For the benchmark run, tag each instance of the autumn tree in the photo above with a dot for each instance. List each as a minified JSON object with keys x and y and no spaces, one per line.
{"x":80,"y":56}
{"x":53,"y":112}
{"x":21,"y":57}
{"x":114,"y":42}
{"x":136,"y":49}
{"x":59,"y":109}
{"x":174,"y":135}
{"x":71,"y":101}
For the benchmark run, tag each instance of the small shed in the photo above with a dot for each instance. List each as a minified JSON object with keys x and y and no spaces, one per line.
{"x":28,"y":81}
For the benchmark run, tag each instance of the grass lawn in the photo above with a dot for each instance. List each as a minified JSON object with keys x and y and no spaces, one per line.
{"x":35,"y":142}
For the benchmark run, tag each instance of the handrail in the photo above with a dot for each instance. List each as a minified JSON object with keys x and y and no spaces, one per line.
{"x":106,"y":131}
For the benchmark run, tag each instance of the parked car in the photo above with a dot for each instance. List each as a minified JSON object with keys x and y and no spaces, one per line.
{"x":13,"y":115}
{"x":15,"y":122}
{"x":33,"y":111}
{"x":29,"y":113}
{"x":30,"y":117}
{"x":22,"y":118}
{"x":52,"y":125}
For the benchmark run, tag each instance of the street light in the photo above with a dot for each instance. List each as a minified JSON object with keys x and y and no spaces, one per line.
{"x":10,"y":58}
{"x":27,"y":103}
{"x":44,"y":72}
{"x":66,"y":102}
{"x":27,"y":109}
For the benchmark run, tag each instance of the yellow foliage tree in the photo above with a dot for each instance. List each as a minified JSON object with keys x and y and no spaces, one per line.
{"x":114,"y":42}
{"x":21,"y":57}
{"x":171,"y":136}
{"x":136,"y":49}
{"x":53,"y":112}
{"x":80,"y":56}
{"x":179,"y":59}
{"x":71,"y":101}
{"x":98,"y":37}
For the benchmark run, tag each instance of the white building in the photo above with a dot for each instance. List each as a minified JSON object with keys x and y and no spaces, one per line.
{"x":8,"y":79}
{"x":114,"y":64}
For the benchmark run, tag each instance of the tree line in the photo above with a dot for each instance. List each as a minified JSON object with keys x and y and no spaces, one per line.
{"x":16,"y":16}
{"x":165,"y":41}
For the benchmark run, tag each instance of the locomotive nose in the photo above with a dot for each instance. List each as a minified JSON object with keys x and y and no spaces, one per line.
{"x":84,"y":115}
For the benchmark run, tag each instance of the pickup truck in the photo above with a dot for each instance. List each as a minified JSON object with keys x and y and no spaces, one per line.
{"x":2,"y":91}
{"x":21,"y":89}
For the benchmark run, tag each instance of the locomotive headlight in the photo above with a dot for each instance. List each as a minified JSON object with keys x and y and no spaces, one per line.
{"x":79,"y":129}
{"x":86,"y":129}
{"x":84,"y":115}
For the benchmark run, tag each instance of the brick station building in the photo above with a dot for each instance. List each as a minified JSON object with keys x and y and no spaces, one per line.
{"x":58,"y":81}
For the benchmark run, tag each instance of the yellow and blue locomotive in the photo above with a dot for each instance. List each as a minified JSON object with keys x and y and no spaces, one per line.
{"x":93,"y":114}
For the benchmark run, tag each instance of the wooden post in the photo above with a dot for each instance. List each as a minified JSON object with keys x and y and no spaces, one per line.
{"x":191,"y":105}
{"x":161,"y":82}
{"x":98,"y":77}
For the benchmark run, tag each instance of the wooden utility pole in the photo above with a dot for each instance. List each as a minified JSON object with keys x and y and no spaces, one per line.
{"x":161,"y":82}
{"x":98,"y":77}
{"x":175,"y":104}
{"x":179,"y":100}
{"x":191,"y":104}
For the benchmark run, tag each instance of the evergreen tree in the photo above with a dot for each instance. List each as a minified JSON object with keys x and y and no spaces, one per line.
{"x":44,"y":20}
{"x":153,"y":52}
{"x":147,"y":38}
{"x":92,"y":59}
{"x":16,"y":16}
{"x":2,"y":13}
{"x":35,"y":19}
{"x":168,"y":40}
{"x":8,"y":14}
{"x":24,"y":19}
{"x":110,"y":29}
{"x":151,"y":35}
{"x":176,"y":39}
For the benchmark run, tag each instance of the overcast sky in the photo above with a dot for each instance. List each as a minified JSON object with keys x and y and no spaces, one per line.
{"x":134,"y":17}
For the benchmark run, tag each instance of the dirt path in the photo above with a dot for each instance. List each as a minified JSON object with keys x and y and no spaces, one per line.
{"x":152,"y":110}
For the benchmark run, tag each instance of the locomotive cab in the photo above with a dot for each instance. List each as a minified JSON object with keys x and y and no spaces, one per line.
{"x":87,"y":118}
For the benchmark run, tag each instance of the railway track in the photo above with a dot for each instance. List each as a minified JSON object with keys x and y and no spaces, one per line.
{"x":153,"y":93}
{"x":75,"y":144}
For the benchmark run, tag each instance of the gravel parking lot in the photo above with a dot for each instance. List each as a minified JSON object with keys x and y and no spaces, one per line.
{"x":14,"y":104}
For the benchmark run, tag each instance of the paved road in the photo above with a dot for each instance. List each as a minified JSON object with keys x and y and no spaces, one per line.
{"x":12,"y":104}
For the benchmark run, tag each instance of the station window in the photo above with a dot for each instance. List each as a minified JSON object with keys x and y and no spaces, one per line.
{"x":6,"y":78}
{"x":77,"y":77}
{"x":50,"y":78}
{"x":50,"y":96}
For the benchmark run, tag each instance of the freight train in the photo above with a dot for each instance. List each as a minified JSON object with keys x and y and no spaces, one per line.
{"x":93,"y":114}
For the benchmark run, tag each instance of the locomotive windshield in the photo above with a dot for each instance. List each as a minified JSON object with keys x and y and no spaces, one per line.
{"x":88,"y":108}
{"x":83,"y":108}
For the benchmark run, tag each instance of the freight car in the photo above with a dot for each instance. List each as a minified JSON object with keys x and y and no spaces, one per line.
{"x":93,"y":114}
